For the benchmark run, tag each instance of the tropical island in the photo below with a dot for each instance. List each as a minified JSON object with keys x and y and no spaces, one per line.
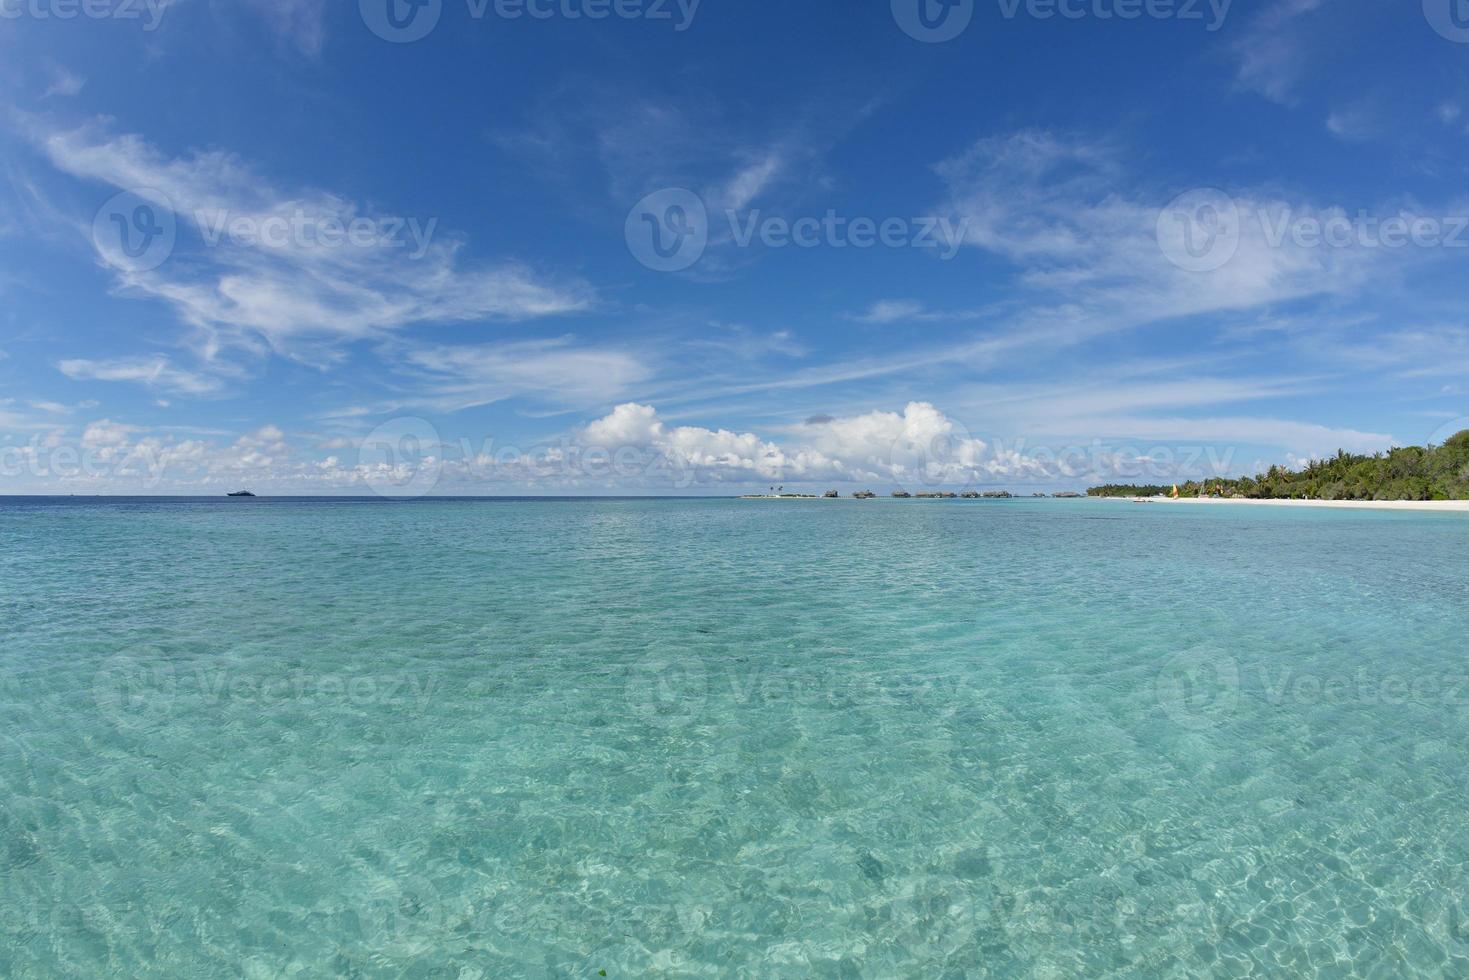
{"x":1407,"y":473}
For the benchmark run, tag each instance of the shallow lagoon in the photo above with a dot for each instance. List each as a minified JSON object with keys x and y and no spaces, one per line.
{"x":866,"y":739}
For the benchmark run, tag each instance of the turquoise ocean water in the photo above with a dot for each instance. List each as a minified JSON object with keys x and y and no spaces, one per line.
{"x":720,"y":738}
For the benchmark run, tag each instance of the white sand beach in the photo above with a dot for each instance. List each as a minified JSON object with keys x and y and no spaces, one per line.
{"x":1442,"y":506}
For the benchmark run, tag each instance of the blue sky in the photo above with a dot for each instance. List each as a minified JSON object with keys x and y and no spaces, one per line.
{"x":1218,"y":236}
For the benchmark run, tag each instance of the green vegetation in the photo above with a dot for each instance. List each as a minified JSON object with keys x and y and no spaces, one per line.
{"x":1130,"y":490}
{"x":1411,"y":473}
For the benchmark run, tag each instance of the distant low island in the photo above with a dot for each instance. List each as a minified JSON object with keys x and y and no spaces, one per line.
{"x":1409,"y":473}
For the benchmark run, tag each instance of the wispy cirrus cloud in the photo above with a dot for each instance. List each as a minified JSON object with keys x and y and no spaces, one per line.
{"x":1088,"y":247}
{"x":1415,"y":352}
{"x":747,"y":184}
{"x":153,"y":372}
{"x":890,"y":311}
{"x":294,"y":285}
{"x":301,"y":23}
{"x":638,"y":144}
{"x":1272,"y":55}
{"x":556,"y":370}
{"x":64,"y":83}
{"x":60,"y":409}
{"x":745,"y":345}
{"x":13,"y":420}
{"x":623,"y":145}
{"x":1063,"y":211}
{"x":1302,"y":440}
{"x":893,"y":311}
{"x":1355,"y":123}
{"x":1064,"y":408}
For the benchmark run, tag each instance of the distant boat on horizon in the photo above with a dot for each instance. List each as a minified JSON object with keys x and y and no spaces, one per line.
{"x":240,"y":493}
